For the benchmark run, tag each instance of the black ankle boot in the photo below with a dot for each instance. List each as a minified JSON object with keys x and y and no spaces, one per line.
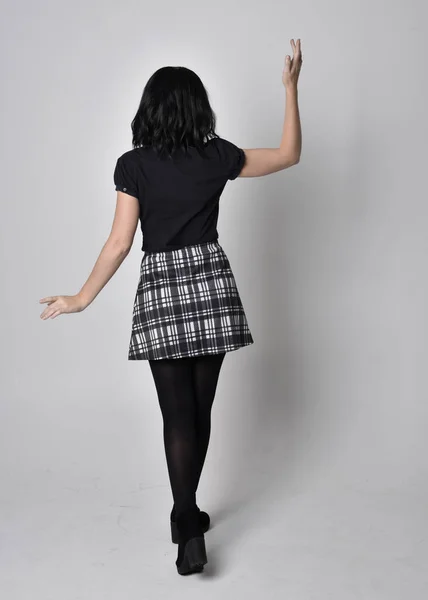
{"x":192,"y":554}
{"x":204,"y":519}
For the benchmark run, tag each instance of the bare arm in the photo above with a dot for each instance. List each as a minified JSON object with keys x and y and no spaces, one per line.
{"x":115,"y":249}
{"x":112,"y":254}
{"x":263,"y":161}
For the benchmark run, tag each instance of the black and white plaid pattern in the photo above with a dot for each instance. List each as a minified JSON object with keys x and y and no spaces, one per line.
{"x":187,"y":303}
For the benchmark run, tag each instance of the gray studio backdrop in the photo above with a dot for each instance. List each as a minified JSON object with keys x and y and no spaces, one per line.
{"x":319,"y":432}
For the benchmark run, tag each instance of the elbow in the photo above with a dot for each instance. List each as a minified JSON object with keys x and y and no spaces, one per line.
{"x":290,"y":162}
{"x":120,"y":247}
{"x":289,"y":159}
{"x":124,"y":250}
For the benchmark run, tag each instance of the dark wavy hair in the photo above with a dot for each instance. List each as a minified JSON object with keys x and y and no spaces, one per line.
{"x":174,"y":112}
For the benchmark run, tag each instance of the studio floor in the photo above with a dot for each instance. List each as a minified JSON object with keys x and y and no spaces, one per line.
{"x":317,"y":543}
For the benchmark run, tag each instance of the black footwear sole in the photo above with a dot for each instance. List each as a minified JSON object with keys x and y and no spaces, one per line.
{"x":194,"y":558}
{"x":175,"y":537}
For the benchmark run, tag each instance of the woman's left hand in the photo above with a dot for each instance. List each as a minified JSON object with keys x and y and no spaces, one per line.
{"x":61,"y":304}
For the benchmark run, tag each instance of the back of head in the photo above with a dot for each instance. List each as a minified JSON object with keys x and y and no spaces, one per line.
{"x":174,"y":113}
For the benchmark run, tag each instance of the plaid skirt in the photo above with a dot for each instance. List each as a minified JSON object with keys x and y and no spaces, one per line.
{"x":187,"y":303}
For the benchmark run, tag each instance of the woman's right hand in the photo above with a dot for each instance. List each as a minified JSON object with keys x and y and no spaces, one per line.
{"x":291,"y":71}
{"x":58,"y":305}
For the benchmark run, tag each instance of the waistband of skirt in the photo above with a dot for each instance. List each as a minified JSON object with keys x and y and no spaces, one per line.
{"x":212,"y":245}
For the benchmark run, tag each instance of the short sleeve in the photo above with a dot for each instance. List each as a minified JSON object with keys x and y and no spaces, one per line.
{"x":235,"y":159}
{"x":124,"y":177}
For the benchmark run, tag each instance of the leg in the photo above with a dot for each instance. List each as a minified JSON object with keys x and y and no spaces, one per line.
{"x":206,"y":371}
{"x":174,"y":385}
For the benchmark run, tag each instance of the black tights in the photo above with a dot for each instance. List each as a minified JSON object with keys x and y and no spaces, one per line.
{"x":186,"y":388}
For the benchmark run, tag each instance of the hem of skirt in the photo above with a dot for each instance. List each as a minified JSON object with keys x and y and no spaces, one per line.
{"x":197,"y":353}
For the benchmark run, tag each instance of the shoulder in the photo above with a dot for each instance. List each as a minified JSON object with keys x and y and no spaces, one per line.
{"x":224,"y":146}
{"x":125,"y":174}
{"x":127,"y":158}
{"x":231,"y":155}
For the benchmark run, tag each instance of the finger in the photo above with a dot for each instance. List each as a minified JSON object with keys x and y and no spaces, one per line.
{"x":293,"y":45}
{"x":56,"y":313}
{"x":49,"y":315}
{"x":48,"y":299}
{"x":50,"y":303}
{"x":48,"y":311}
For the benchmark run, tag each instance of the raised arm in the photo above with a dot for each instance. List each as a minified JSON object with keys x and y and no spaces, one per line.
{"x":263,"y":161}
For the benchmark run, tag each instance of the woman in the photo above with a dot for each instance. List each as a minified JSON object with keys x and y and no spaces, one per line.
{"x":187,"y":309}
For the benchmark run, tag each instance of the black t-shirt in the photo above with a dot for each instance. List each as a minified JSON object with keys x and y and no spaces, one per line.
{"x":179,"y":196}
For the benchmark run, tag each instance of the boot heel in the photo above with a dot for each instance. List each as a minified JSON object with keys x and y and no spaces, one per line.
{"x":204,"y":519}
{"x":175,"y":537}
{"x":195,"y":556}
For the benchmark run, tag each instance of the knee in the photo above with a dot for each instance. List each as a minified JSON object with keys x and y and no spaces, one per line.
{"x":180,"y":419}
